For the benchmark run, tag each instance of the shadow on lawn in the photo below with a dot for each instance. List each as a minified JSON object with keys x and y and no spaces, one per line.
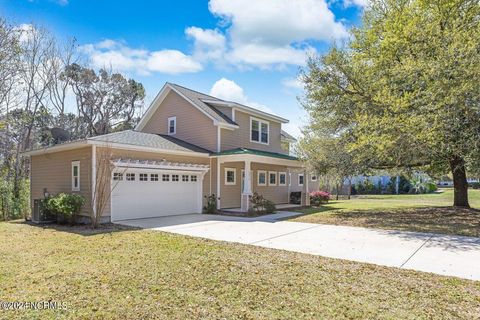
{"x":442,"y":220}
{"x":80,"y":229}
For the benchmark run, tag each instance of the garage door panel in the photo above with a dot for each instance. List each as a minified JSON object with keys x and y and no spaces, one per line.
{"x":144,"y":199}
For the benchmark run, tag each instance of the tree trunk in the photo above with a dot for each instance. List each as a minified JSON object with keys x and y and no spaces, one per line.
{"x":337,"y":191}
{"x":349,"y":188}
{"x":460,"y":184}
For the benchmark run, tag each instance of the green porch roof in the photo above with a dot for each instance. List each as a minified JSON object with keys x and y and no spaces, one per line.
{"x":255,"y":152}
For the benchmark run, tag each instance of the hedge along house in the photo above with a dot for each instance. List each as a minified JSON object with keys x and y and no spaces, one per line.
{"x":186,"y":146}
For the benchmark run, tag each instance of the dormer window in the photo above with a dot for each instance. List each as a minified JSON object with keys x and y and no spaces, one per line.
{"x":259,"y":131}
{"x":172,"y":125}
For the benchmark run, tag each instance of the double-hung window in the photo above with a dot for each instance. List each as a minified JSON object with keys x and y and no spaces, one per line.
{"x":300,"y":179}
{"x":282,"y":178}
{"x":75,"y":175}
{"x":272,"y":178}
{"x":261,"y":178}
{"x":172,"y":125}
{"x":259,"y":131}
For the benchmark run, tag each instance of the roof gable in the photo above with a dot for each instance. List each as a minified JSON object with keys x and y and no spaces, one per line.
{"x":194,"y":98}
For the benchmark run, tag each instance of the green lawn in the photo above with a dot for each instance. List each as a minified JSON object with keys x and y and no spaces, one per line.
{"x":134,"y":274}
{"x":425,"y":213}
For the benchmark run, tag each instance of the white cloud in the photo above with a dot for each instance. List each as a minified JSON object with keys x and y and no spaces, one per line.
{"x":357,"y":3}
{"x":278,"y":22}
{"x":117,"y":55}
{"x":172,"y":62}
{"x":229,"y":90}
{"x":294,"y":83}
{"x":266,"y":55}
{"x":271,"y":33}
{"x":208,"y":44}
{"x":275,"y":32}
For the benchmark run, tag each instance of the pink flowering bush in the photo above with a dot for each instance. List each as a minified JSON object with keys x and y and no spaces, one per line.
{"x":319,"y":197}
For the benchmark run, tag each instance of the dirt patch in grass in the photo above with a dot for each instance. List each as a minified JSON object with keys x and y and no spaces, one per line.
{"x":153,"y":275}
{"x":444,"y":220}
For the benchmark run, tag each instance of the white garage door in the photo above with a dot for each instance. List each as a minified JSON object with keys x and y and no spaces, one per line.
{"x":145,"y":193}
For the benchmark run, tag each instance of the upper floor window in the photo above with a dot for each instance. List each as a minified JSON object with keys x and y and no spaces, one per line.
{"x":259,"y":131}
{"x":172,"y":125}
{"x":75,"y":175}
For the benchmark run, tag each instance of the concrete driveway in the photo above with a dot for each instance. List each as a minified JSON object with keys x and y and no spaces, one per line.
{"x":446,"y":255}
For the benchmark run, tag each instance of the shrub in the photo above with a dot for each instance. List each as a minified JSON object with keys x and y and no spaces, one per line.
{"x":211,"y":206}
{"x":319,"y":197}
{"x":475,"y":185}
{"x":65,"y":206}
{"x":260,"y":205}
{"x":404,"y":185}
{"x":269,"y":206}
{"x":431,"y":187}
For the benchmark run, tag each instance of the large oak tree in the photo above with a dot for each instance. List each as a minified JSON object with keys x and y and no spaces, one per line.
{"x":404,"y":90}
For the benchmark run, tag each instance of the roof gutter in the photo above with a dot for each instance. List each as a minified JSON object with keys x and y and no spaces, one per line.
{"x":122,"y":146}
{"x":248,"y":109}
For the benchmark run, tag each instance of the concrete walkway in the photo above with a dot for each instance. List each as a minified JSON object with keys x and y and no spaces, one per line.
{"x":441,"y":254}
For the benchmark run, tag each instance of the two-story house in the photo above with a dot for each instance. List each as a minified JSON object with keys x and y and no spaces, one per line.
{"x":187,"y":145}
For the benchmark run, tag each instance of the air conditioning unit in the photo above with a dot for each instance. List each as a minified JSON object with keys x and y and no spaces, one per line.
{"x":39,"y":214}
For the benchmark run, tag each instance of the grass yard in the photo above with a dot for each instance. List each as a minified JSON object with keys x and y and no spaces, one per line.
{"x":424,"y":213}
{"x":134,"y":274}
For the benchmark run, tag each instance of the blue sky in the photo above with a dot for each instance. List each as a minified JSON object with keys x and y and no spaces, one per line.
{"x":241,"y":50}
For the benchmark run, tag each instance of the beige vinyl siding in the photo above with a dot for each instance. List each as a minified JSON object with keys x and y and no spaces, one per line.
{"x":277,"y":194}
{"x":53,"y":171}
{"x":312,"y":185}
{"x":138,"y":155}
{"x":231,"y":139}
{"x":193,"y":126}
{"x":230,"y":194}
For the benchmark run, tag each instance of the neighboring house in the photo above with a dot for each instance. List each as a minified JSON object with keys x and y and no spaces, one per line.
{"x":186,"y":146}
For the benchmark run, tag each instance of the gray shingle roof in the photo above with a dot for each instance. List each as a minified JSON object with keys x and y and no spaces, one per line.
{"x":196,"y":97}
{"x":287,"y":136}
{"x":151,"y":140}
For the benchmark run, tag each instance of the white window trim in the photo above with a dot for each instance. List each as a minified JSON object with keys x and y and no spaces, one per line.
{"x":300,"y":184}
{"x":234,"y":177}
{"x":76,"y":164}
{"x":174,"y":126}
{"x":260,"y":121}
{"x":279,"y":183}
{"x":276,"y":177}
{"x":289,"y":179}
{"x":258,"y":177}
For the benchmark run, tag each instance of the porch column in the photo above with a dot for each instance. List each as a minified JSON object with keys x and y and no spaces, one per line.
{"x":247,"y":188}
{"x":305,"y":193}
